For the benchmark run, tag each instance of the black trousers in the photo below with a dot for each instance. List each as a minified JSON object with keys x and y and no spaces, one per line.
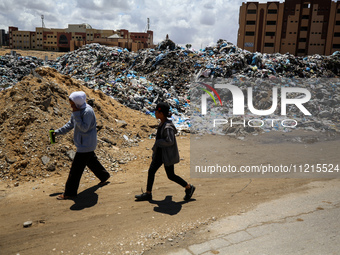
{"x":80,"y":161}
{"x":170,"y":172}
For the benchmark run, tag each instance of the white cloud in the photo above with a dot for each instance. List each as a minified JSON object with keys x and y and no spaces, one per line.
{"x":102,"y":5}
{"x":207,"y":18}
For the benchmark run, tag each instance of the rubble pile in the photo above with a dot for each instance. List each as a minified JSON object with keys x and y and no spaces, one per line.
{"x":40,"y":102}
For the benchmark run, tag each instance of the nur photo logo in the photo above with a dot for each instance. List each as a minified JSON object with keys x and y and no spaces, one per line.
{"x":229,"y":101}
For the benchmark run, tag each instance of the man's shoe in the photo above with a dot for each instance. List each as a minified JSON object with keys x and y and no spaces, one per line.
{"x":143,"y":197}
{"x":189,"y":192}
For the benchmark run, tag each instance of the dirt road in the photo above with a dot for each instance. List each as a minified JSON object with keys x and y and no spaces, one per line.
{"x":107,"y":220}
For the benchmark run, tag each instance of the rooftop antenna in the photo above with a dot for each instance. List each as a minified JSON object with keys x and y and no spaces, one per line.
{"x":42,"y":21}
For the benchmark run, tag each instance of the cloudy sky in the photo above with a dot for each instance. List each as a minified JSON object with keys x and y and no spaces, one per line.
{"x":199,"y":23}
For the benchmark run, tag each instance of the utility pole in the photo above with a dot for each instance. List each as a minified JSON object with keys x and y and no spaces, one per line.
{"x":147,"y":27}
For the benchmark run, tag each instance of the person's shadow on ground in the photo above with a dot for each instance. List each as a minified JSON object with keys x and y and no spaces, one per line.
{"x":167,"y":206}
{"x":85,"y":199}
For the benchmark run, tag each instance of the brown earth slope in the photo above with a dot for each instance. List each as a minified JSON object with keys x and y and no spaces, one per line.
{"x":40,"y":102}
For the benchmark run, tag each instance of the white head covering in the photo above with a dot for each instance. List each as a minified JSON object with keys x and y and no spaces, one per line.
{"x":79,"y":98}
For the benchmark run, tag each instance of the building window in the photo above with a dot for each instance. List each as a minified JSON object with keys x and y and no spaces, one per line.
{"x":301,"y":51}
{"x":303,"y":40}
{"x":270,"y":33}
{"x":336,"y":34}
{"x":337,"y":22}
{"x":251,"y":11}
{"x":250,"y":22}
{"x":304,"y":29}
{"x":337,"y":11}
{"x":269,"y":45}
{"x":272,"y":11}
{"x":305,"y":16}
{"x":271,"y":22}
{"x":306,"y":6}
{"x":249,"y":33}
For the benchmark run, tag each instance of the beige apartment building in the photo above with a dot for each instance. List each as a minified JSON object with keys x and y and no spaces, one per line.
{"x":300,"y":27}
{"x":75,"y":36}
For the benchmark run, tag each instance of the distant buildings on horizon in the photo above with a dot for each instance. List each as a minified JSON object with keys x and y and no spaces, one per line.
{"x":298,"y":27}
{"x":73,"y":37}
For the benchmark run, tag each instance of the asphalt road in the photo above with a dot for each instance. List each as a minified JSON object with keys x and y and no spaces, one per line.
{"x":300,"y":223}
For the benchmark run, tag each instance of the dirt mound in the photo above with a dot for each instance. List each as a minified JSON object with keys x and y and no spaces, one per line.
{"x":40,"y":102}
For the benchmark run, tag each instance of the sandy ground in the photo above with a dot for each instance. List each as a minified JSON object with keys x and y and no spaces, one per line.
{"x":107,"y":220}
{"x":39,"y":54}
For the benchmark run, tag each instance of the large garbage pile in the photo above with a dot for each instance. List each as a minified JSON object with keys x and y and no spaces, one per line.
{"x":14,"y":67}
{"x":140,"y":79}
{"x":40,"y":102}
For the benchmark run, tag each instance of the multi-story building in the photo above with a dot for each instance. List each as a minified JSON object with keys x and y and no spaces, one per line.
{"x":3,"y":38}
{"x":300,"y":27}
{"x":75,"y":36}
